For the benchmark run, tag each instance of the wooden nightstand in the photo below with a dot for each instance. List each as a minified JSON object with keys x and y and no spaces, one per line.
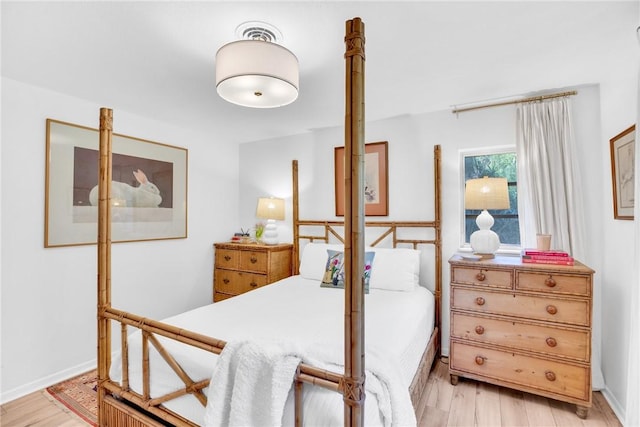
{"x":239,"y":268}
{"x":523,"y":326}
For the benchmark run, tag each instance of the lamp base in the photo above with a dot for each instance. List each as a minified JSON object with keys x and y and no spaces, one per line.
{"x":484,"y":242}
{"x":270,"y":234}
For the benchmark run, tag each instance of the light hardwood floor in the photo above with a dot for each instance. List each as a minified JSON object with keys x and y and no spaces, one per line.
{"x":469,"y":403}
{"x":473,"y":403}
{"x":38,"y":409}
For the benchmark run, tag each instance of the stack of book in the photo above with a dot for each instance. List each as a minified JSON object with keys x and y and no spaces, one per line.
{"x":553,"y":256}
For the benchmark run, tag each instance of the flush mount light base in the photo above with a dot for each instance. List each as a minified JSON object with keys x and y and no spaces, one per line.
{"x":256,"y":71}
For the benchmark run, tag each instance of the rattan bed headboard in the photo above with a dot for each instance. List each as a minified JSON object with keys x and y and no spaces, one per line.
{"x":393,"y":232}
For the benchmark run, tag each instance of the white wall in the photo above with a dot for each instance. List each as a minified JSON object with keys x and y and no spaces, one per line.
{"x":598,"y":114}
{"x":619,"y":97}
{"x":49,"y":295}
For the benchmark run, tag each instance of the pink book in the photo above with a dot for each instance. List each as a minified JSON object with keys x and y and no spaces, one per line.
{"x":552,"y":252}
{"x":557,"y":261}
{"x":548,"y":257}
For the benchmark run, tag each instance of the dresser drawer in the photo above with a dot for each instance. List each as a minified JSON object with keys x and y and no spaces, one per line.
{"x":237,"y":282}
{"x":549,"y":376}
{"x":482,"y":276}
{"x":553,"y":282}
{"x":575,"y":312}
{"x":227,"y":258}
{"x":219,"y":296}
{"x":253,"y":261}
{"x":560,"y":342}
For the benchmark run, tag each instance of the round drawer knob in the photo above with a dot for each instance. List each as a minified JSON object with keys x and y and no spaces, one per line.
{"x":253,"y":284}
{"x":551,"y":309}
{"x":226,"y":281}
{"x":227,"y":258}
{"x":479,"y":360}
{"x":254,"y":260}
{"x":480,"y":277}
{"x":479,"y":329}
{"x":550,"y":282}
{"x":551,"y":342}
{"x":480,"y":301}
{"x":550,"y":375}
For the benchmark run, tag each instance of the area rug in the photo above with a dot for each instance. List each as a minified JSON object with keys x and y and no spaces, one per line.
{"x":79,"y":395}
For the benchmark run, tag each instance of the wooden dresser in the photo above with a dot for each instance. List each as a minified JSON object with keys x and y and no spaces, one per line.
{"x":523,"y":326}
{"x":239,"y":268}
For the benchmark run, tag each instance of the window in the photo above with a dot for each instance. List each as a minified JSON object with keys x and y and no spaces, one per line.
{"x":494,"y":163}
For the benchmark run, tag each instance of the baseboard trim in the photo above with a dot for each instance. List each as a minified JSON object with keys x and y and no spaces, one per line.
{"x":45,"y":382}
{"x":613,"y":402}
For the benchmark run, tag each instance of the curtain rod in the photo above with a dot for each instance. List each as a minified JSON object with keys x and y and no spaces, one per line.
{"x":519,"y":101}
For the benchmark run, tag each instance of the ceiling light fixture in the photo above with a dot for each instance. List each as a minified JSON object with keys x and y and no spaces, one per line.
{"x":256,"y":71}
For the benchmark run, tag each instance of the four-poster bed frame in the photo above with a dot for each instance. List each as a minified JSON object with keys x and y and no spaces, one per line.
{"x":118,"y":405}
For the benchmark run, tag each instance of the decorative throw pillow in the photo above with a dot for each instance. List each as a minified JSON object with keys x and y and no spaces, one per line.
{"x":334,"y":270}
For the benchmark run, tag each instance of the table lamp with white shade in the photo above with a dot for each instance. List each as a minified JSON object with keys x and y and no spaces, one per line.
{"x":484,"y":194}
{"x":271,"y":209}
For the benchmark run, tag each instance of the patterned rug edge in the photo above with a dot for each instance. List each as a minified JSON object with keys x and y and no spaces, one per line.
{"x":78,"y":395}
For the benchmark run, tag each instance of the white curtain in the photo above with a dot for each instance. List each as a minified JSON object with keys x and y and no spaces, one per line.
{"x":632,"y":409}
{"x":548,"y":176}
{"x":549,"y":188}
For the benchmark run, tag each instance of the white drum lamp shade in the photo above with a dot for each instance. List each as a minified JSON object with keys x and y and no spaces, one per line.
{"x":257,"y":73}
{"x":486,"y":193}
{"x":271,"y":209}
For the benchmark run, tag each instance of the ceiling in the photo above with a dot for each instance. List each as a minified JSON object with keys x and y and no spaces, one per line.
{"x":156,"y":59}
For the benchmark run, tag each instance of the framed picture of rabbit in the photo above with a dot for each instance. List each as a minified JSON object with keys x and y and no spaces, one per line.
{"x":148,"y":192}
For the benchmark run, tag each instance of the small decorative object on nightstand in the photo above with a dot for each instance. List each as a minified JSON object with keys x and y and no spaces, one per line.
{"x":240,"y":268}
{"x":523,"y":326}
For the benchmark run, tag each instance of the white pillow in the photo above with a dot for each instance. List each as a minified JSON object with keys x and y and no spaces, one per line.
{"x":395,"y":269}
{"x":314,"y":259}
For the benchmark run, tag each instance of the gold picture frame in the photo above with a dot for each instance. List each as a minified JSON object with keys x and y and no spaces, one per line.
{"x":376,"y":178}
{"x":622,"y":147}
{"x":149,"y":189}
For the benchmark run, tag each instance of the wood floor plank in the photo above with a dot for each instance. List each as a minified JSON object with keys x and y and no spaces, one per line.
{"x":36,"y":410}
{"x":538,"y":410}
{"x":463,"y":404}
{"x":433,"y":417}
{"x":601,"y":406}
{"x":512,"y":408}
{"x":565,"y":414}
{"x":487,"y":405}
{"x":442,"y":392}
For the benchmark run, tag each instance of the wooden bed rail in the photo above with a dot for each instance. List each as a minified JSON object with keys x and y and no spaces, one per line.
{"x":194,"y":339}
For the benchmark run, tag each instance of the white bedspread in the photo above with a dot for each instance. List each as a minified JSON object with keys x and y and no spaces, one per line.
{"x":296,"y":310}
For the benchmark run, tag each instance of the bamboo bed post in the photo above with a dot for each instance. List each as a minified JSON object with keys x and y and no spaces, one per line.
{"x":295,"y":259}
{"x":104,"y":255}
{"x":438,"y":238}
{"x":353,"y":390}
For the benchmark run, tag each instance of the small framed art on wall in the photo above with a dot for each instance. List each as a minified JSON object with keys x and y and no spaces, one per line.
{"x":376,"y":181}
{"x":623,"y":150}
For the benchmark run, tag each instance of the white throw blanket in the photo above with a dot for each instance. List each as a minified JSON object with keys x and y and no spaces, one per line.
{"x":252,"y":380}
